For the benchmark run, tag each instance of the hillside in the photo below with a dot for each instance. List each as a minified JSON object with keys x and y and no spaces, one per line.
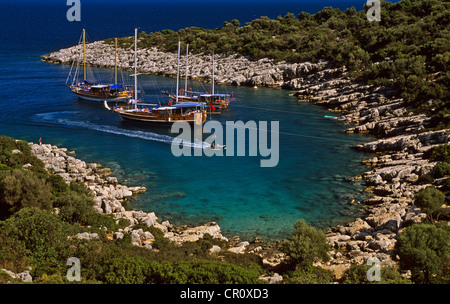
{"x":408,"y":48}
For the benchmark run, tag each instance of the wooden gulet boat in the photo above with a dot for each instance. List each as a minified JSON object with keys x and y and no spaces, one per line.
{"x":165,"y":115}
{"x":89,"y":90}
{"x":220,"y":101}
{"x":159,"y":115}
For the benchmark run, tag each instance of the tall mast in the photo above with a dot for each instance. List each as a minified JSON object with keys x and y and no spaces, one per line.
{"x":178,"y":70}
{"x":135,"y":68}
{"x":84,"y":54}
{"x":185,"y":81}
{"x":213,"y":74}
{"x":115,"y":62}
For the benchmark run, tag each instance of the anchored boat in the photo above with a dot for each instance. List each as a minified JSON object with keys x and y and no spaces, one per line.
{"x":92,"y":91}
{"x":164,"y":115}
{"x":159,"y":115}
{"x":214,"y":101}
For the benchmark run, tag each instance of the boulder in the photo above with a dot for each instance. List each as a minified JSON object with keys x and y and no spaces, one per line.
{"x":240,"y":248}
{"x":87,"y":236}
{"x":274,"y":279}
{"x":214,"y":249}
{"x":118,"y":235}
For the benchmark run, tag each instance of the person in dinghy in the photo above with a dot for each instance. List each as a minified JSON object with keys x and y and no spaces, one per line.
{"x":217,"y":147}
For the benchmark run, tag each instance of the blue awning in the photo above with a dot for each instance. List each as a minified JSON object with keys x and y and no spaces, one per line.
{"x":116,"y":86}
{"x":189,"y":104}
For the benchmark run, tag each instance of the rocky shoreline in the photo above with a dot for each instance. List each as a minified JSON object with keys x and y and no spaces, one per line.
{"x":109,"y":196}
{"x":397,"y":162}
{"x":229,"y":70}
{"x":397,"y":156}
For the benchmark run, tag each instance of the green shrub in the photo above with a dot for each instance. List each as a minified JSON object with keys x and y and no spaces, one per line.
{"x":425,"y":179}
{"x":430,"y":200}
{"x":75,"y":203}
{"x":245,"y":260}
{"x":425,"y":250}
{"x":21,"y":188}
{"x":439,"y":153}
{"x":209,"y":272}
{"x":99,"y":220}
{"x":441,"y":169}
{"x":58,"y":185}
{"x":309,"y":274}
{"x":55,"y":278}
{"x":207,"y":241}
{"x":446,"y":187}
{"x":17,"y":159}
{"x":43,"y":235}
{"x":13,"y":252}
{"x":139,"y":270}
{"x":126,"y":270}
{"x":5,"y":278}
{"x":306,"y":244}
{"x":74,"y":207}
{"x":357,"y":274}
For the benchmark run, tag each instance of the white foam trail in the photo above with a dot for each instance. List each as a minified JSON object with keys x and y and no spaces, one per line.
{"x":50,"y":116}
{"x":150,"y":136}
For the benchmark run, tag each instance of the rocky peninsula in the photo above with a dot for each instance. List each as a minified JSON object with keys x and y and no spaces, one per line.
{"x":397,"y":162}
{"x":229,"y":70}
{"x":396,"y":158}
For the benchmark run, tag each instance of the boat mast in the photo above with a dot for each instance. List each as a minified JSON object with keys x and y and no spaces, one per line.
{"x":178,"y":70}
{"x":84,"y":54}
{"x":213,"y":74}
{"x":115,"y":62}
{"x":135,"y":68}
{"x":185,"y":81}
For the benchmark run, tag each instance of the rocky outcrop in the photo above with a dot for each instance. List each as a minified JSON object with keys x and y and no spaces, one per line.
{"x":411,"y":143}
{"x":274,"y":279}
{"x":232,"y":70}
{"x":395,"y":168}
{"x":24,"y":276}
{"x":109,"y":195}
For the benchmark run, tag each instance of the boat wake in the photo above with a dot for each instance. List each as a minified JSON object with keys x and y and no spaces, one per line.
{"x":150,"y":136}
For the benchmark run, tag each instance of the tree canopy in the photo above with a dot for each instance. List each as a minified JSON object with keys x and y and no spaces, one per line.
{"x":425,"y":250}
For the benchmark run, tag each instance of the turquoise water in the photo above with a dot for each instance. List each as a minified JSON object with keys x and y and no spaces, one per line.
{"x":309,"y":182}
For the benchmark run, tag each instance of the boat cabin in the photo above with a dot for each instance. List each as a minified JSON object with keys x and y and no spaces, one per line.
{"x":213,"y":98}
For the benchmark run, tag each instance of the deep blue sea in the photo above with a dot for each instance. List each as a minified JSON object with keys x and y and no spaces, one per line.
{"x":309,"y":182}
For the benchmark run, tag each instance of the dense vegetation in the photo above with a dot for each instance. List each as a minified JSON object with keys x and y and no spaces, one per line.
{"x":409,"y":48}
{"x":41,"y":214}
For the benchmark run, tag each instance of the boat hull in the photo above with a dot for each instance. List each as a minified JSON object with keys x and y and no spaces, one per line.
{"x":101,"y":99}
{"x":155,"y":120}
{"x":162,"y":123}
{"x":86,"y":95}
